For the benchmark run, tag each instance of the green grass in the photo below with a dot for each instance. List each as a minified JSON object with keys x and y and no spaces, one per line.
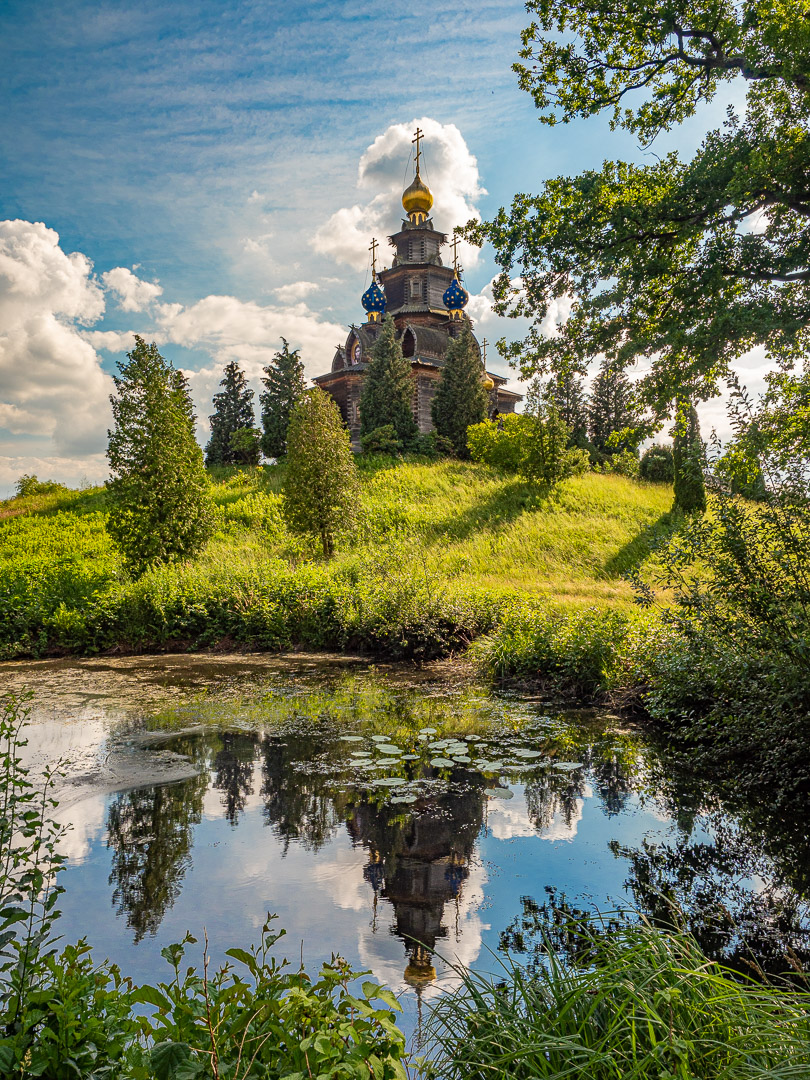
{"x":649,"y":1006}
{"x":443,"y":549}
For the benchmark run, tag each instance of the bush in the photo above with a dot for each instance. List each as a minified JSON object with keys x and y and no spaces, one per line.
{"x":534,"y":445}
{"x":30,"y":485}
{"x":624,"y":463}
{"x":382,"y":440}
{"x":432,"y":445}
{"x":657,"y":465}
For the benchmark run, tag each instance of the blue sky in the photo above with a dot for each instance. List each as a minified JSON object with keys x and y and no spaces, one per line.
{"x":208,"y":174}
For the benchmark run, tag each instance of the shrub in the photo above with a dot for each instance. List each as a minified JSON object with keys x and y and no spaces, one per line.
{"x":382,"y":440}
{"x":321,"y":488}
{"x":30,"y":485}
{"x":656,"y":465}
{"x":534,"y":445}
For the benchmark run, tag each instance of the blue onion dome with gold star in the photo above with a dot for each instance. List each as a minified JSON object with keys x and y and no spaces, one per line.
{"x":455,"y":296}
{"x":373,"y":299}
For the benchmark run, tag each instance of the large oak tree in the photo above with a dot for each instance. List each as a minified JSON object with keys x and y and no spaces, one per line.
{"x":687,"y":263}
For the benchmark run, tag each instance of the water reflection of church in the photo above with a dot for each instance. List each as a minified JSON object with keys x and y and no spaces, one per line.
{"x":418,"y":863}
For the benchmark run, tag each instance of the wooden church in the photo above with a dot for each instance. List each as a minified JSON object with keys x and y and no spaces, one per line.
{"x":426,"y":300}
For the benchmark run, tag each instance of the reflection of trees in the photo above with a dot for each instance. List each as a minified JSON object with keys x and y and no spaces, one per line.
{"x":299,"y":804}
{"x":419,"y":862}
{"x":726,"y":894}
{"x":551,"y":794}
{"x":233,"y":771}
{"x":150,"y":832}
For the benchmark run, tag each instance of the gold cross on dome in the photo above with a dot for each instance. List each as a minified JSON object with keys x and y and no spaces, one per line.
{"x":419,"y":134}
{"x":484,"y":344}
{"x":454,"y":246}
{"x":373,"y":249}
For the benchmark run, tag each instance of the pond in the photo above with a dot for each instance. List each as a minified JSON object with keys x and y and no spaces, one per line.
{"x":409,"y":819}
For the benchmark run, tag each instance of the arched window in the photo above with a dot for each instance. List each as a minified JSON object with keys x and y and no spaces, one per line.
{"x":408,"y":343}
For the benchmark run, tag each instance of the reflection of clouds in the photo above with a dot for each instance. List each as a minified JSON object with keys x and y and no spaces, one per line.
{"x":561,"y":817}
{"x":85,"y":821}
{"x":385,"y":954}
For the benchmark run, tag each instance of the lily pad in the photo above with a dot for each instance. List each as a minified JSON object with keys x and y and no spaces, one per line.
{"x":381,"y":738}
{"x":527,"y":753}
{"x":568,"y":766}
{"x":427,"y":730}
{"x":462,"y":759}
{"x":410,"y":757}
{"x":352,"y":738}
{"x":490,"y":766}
{"x":389,"y":781}
{"x":441,"y":763}
{"x":403,"y":799}
{"x":499,"y":793}
{"x":388,"y":749}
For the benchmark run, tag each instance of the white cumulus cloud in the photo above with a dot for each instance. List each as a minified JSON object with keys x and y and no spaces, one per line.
{"x":52,"y":383}
{"x":449,"y":169}
{"x":133,"y":294}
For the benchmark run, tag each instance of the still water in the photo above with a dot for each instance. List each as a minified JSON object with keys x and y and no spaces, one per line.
{"x":408,"y":819}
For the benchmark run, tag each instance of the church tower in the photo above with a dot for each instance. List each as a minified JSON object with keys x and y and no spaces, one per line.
{"x":426,"y":300}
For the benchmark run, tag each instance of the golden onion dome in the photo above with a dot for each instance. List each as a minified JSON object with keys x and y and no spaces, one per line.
{"x":417,"y":198}
{"x":487,"y":382}
{"x":419,"y":973}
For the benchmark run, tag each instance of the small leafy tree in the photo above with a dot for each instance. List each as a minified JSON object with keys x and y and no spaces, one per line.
{"x":159,"y":489}
{"x":285,"y":384}
{"x":460,"y":398}
{"x":687,"y":460}
{"x":532,"y":444}
{"x":387,"y":394}
{"x":321,"y":489}
{"x":246,"y":445}
{"x":611,"y":417}
{"x":656,"y":465}
{"x":233,"y":411}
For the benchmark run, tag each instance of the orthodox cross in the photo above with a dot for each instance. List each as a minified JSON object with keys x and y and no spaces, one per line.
{"x":373,"y":249}
{"x":454,"y":246}
{"x":484,"y":344}
{"x":419,"y":135}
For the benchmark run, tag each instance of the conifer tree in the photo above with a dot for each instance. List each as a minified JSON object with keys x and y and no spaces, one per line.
{"x":159,"y":489}
{"x":610,"y":409}
{"x":687,"y":457}
{"x":387,"y":394}
{"x":460,"y":398}
{"x":566,"y":393}
{"x":285,"y":385}
{"x":321,"y":488}
{"x":233,"y":411}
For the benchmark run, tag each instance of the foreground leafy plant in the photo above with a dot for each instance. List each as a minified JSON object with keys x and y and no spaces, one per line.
{"x":649,"y":1005}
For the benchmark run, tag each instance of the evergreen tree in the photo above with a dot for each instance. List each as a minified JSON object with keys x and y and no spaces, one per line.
{"x":610,"y":410}
{"x":460,"y":398}
{"x":321,"y":489}
{"x":687,"y":458}
{"x":285,"y":385}
{"x":566,"y":393}
{"x":387,"y":394}
{"x":158,"y":485}
{"x":233,"y":411}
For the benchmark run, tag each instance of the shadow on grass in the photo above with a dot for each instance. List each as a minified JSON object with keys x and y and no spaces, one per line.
{"x":635,"y":551}
{"x":490,"y":513}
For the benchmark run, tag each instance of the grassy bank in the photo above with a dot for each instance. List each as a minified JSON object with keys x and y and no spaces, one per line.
{"x":444,"y":552}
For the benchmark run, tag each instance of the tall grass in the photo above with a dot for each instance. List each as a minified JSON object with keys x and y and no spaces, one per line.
{"x":650,"y":1006}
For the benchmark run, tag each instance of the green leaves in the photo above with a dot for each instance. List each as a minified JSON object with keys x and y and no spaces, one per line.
{"x":460,"y":399}
{"x":387,"y":391}
{"x":684,"y":265}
